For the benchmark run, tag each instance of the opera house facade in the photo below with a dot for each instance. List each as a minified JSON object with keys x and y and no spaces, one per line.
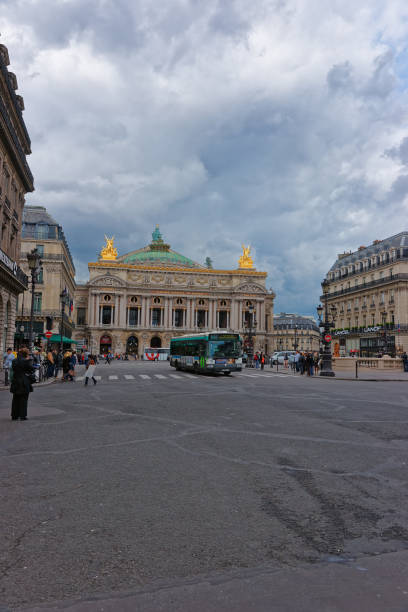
{"x":146,"y":297}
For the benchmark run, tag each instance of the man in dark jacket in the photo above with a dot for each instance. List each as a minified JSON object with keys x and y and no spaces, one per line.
{"x":21,"y":386}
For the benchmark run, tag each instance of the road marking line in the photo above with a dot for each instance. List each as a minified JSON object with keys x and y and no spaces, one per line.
{"x":113,"y":378}
{"x":129,"y":377}
{"x":80,"y":378}
{"x":144,"y":376}
{"x":160,"y":376}
{"x":97,"y":377}
{"x":175,"y":376}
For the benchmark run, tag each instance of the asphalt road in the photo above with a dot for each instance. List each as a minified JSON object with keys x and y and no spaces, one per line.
{"x":157,"y":490}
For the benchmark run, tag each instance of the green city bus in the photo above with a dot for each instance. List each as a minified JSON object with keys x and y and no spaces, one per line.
{"x":210,"y":352}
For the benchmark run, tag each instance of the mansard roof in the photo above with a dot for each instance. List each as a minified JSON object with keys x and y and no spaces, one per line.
{"x":398,"y":241}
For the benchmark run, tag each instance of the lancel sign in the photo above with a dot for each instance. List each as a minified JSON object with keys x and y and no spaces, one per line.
{"x":365,"y":330}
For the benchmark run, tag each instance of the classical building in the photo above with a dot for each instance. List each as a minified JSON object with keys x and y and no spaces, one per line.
{"x":146,"y":297}
{"x":57,"y":274}
{"x":369,"y":288}
{"x":15,"y":181}
{"x":295,"y":332}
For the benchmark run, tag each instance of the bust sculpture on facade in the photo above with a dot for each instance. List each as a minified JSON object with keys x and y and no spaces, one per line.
{"x":246,"y":261}
{"x":109,"y":253}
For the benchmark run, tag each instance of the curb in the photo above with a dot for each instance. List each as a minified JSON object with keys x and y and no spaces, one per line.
{"x":350,"y":379}
{"x":41,"y":384}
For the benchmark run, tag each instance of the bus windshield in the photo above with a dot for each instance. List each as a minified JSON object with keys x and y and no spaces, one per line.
{"x":225,"y":348}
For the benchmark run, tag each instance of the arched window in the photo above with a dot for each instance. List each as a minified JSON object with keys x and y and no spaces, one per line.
{"x":156,"y":300}
{"x":107,"y":298}
{"x":133,"y":299}
{"x":179,"y":301}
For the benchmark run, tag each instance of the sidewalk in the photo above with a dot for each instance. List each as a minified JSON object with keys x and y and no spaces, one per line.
{"x":364,"y":374}
{"x":4,"y":387}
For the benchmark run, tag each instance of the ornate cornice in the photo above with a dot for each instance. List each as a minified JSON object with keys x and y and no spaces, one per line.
{"x":209,"y":271}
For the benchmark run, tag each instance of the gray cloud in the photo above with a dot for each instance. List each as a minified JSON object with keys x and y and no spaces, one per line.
{"x":226,"y":123}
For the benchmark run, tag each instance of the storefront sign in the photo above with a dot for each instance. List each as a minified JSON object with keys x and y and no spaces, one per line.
{"x":9,"y":263}
{"x":105,"y":340}
{"x":366,"y":330}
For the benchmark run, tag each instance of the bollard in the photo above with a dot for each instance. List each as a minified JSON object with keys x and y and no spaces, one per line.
{"x":356,"y":368}
{"x":277,"y":365}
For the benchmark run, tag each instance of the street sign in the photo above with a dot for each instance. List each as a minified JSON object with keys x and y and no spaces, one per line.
{"x":328,"y":338}
{"x":48,"y":334}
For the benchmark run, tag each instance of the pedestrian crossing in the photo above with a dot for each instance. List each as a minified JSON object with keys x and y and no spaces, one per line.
{"x":186,"y":376}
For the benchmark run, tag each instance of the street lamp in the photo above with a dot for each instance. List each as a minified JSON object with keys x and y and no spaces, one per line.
{"x":295,"y":345}
{"x":64,"y":301}
{"x":325,"y":325}
{"x":34,"y":263}
{"x":384,"y":323}
{"x":251,"y":332}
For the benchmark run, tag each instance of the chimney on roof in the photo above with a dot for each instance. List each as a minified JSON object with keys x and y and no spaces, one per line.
{"x":376,"y":241}
{"x":342,"y":255}
{"x":361,"y":248}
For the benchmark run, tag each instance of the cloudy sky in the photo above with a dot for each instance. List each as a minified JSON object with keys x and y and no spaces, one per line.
{"x":280,"y":124}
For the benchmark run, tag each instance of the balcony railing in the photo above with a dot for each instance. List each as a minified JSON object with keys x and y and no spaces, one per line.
{"x":381,"y":281}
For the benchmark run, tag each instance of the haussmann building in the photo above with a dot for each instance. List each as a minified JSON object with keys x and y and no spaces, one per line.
{"x":369,"y":288}
{"x":15,"y":181}
{"x":144,"y":298}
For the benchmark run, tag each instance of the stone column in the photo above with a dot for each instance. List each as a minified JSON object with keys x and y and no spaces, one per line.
{"x":122,"y":310}
{"x":115,"y":321}
{"x":240,"y":314}
{"x":143,"y":313}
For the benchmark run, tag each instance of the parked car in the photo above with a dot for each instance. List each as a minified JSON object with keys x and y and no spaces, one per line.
{"x":280,"y":357}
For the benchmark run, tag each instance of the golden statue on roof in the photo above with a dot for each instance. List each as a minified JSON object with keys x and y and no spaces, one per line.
{"x":246,"y":261}
{"x":109,"y":253}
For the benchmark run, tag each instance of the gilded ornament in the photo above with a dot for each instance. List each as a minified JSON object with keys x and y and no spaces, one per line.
{"x":109,"y":253}
{"x":246,"y":261}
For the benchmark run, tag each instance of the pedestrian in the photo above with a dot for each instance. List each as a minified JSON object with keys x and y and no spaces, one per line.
{"x":90,"y":370}
{"x":58,"y":360}
{"x":256,"y":360}
{"x":302,"y":363}
{"x":7,"y":362}
{"x":50,"y":364}
{"x":262,"y":361}
{"x":296,"y":361}
{"x":72,"y":364}
{"x":285,"y":360}
{"x":22,"y":384}
{"x":316,"y":363}
{"x":66,"y":367}
{"x":107,"y":359}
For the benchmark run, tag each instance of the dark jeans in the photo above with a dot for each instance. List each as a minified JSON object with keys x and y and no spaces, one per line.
{"x":6,"y":376}
{"x":19,"y":406}
{"x":87,"y":378}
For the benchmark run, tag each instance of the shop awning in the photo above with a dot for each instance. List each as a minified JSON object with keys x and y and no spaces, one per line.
{"x":65,"y":340}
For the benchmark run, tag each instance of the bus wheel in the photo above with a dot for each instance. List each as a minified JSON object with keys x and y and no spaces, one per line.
{"x":227,"y":373}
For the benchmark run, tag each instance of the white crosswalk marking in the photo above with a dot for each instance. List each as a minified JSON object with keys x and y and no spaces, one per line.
{"x":80,"y":378}
{"x":113,"y":378}
{"x":98,"y":377}
{"x":160,"y":376}
{"x":144,"y":376}
{"x":129,"y":377}
{"x":175,"y":376}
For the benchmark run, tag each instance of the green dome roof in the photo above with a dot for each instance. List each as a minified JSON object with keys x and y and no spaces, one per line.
{"x":158,"y":253}
{"x":158,"y":258}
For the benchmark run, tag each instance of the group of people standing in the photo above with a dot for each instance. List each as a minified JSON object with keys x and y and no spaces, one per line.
{"x":306,"y":362}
